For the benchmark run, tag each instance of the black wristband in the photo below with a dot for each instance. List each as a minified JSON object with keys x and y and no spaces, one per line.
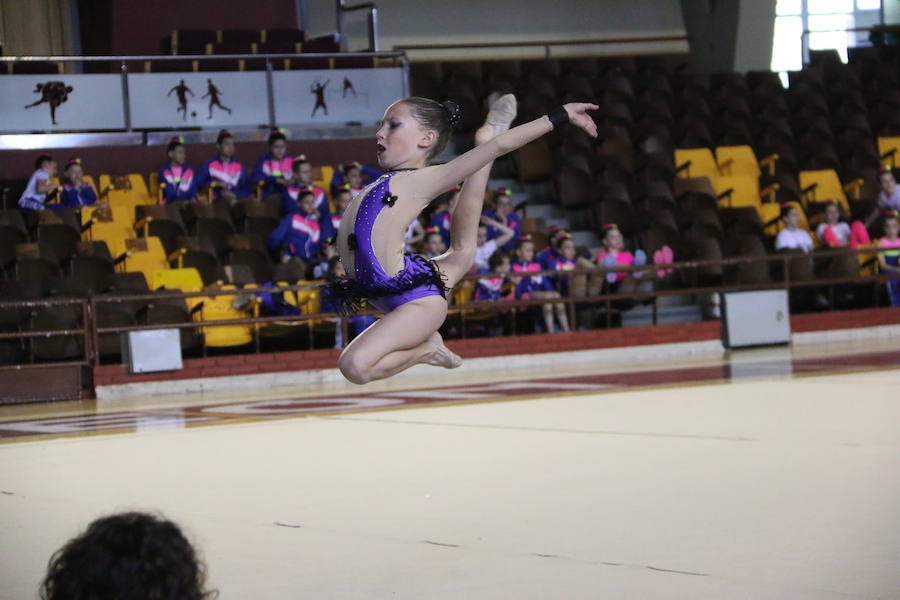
{"x":558,"y":116}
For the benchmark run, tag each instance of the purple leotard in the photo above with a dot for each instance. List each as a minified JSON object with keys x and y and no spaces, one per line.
{"x":418,"y":278}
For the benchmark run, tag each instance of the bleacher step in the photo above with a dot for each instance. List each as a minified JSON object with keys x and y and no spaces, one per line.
{"x":641,"y":316}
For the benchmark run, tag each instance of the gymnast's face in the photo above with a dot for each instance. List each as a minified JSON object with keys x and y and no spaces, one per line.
{"x":401,"y":141}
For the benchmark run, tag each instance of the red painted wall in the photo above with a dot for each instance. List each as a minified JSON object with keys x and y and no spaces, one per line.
{"x":138,"y":25}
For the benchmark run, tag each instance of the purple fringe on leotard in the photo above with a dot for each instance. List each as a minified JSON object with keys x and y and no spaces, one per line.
{"x":348,"y":297}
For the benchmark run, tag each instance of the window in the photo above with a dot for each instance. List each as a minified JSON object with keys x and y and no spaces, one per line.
{"x":829,"y":23}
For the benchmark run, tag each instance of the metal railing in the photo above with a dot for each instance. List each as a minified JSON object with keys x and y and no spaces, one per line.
{"x":89,"y":331}
{"x":342,"y":9}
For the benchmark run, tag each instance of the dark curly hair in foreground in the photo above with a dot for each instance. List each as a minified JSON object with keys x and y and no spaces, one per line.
{"x":128,"y":556}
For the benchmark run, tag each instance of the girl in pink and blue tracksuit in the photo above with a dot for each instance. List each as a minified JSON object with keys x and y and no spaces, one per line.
{"x":299,"y":235}
{"x":273,"y":169}
{"x":503,"y":211}
{"x":529,"y":285}
{"x":225,"y":171}
{"x":176,"y":178}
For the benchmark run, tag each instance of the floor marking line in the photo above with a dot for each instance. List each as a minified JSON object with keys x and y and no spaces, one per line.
{"x":549,"y":429}
{"x":441,"y":544}
{"x":677,"y":571}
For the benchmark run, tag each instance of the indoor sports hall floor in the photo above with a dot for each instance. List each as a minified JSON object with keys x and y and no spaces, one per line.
{"x":771,"y":474}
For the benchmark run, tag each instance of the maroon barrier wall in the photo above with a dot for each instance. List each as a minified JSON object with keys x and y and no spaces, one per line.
{"x":19,"y":164}
{"x":138,"y":25}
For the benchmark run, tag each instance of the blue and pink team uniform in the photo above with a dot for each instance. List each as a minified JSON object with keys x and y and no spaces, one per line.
{"x":180,"y":183}
{"x":229,"y":173}
{"x":290,"y":205}
{"x":441,"y":220}
{"x":512,"y":221}
{"x":268,"y":169}
{"x":892,"y":257}
{"x":559,"y":263}
{"x":489,"y":288}
{"x":337,"y":180}
{"x":530,"y":283}
{"x":299,"y":235}
{"x":72,"y":197}
{"x":418,"y":278}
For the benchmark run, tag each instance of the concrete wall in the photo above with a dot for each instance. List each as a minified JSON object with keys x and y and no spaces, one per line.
{"x":756,"y":29}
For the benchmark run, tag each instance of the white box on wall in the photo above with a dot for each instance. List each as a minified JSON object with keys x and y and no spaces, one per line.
{"x":758,"y":318}
{"x":150,"y":351}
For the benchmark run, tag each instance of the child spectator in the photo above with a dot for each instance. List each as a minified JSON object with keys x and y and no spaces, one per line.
{"x":301,"y":171}
{"x":485,"y":247}
{"x":320,"y":271}
{"x":75,"y":191}
{"x":299,"y":234}
{"x":357,"y":323}
{"x":836,"y":233}
{"x":433,"y":245}
{"x":342,"y":198}
{"x":440,"y":218}
{"x":888,"y":197}
{"x":176,"y":178}
{"x":273,"y":169}
{"x":567,"y":259}
{"x":127,"y":555}
{"x":497,"y":285}
{"x":889,"y":259}
{"x":415,"y":234}
{"x":537,"y":286}
{"x":35,"y":195}
{"x":503,"y":213}
{"x":551,"y":252}
{"x":792,"y":237}
{"x":614,"y":253}
{"x":352,"y":172}
{"x":224,"y":173}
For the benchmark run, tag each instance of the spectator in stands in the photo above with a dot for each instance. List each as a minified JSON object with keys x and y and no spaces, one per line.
{"x":433,"y":245}
{"x":836,"y":233}
{"x":354,"y":173}
{"x":299,"y":235}
{"x":485,"y":247}
{"x":889,"y":259}
{"x":440,"y":218}
{"x":888,"y":197}
{"x":75,"y":191}
{"x":328,"y":251}
{"x":496,"y":285}
{"x":273,"y":169}
{"x":567,"y":259}
{"x":302,"y":176}
{"x":176,"y":179}
{"x":537,"y":286}
{"x":551,"y":251}
{"x":792,"y":236}
{"x":614,"y":253}
{"x":128,"y":555}
{"x":224,"y":173}
{"x":357,"y":323}
{"x":35,"y":195}
{"x":503,"y":213}
{"x":415,"y":234}
{"x":342,"y":197}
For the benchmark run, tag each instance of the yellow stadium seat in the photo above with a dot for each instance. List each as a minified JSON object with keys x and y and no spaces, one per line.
{"x":697,"y":162}
{"x":322,"y":176}
{"x":144,"y":255}
{"x":221,"y":308}
{"x":124,"y":190}
{"x":824,"y":186}
{"x":744,"y":191}
{"x":107,"y":224}
{"x":741,"y":160}
{"x":888,"y":148}
{"x":185,"y":279}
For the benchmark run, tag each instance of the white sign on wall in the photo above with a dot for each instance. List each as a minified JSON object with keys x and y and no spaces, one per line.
{"x":335,"y":95}
{"x":209,"y":99}
{"x":61,"y":102}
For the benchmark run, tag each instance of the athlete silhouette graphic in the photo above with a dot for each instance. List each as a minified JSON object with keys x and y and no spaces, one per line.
{"x":319,"y":90}
{"x":348,"y":87}
{"x":53,"y":93}
{"x":213,"y":92}
{"x":181,"y":91}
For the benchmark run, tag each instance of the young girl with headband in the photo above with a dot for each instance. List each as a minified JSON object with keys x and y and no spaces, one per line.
{"x":273,"y":169}
{"x":76,"y":192}
{"x":225,"y":171}
{"x":889,"y":259}
{"x":178,"y":177}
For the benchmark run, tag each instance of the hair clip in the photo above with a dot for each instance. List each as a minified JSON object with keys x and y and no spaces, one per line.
{"x":224,"y":132}
{"x":73,"y":161}
{"x":344,"y":187}
{"x":301,"y":158}
{"x":502,"y":192}
{"x":329,"y":241}
{"x":891,"y":214}
{"x":786,"y":205}
{"x":524,"y":238}
{"x":431,"y":230}
{"x":610,"y":226}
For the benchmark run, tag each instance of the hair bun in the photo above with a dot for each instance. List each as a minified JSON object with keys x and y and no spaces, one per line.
{"x":452,"y":111}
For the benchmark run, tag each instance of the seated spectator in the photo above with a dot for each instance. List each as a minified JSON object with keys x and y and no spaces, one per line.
{"x":299,"y":235}
{"x":496,"y":284}
{"x":291,"y":202}
{"x":273,"y":169}
{"x":836,"y":233}
{"x":889,"y":260}
{"x":433,"y":245}
{"x":503,"y":213}
{"x":537,"y":286}
{"x":354,"y":173}
{"x":357,"y":323}
{"x":225,"y":173}
{"x":484,"y":247}
{"x":792,"y":237}
{"x":301,"y":177}
{"x":440,"y":218}
{"x":328,"y":251}
{"x":566,"y":259}
{"x":176,"y":178}
{"x":888,"y":197}
{"x":342,"y":198}
{"x":75,"y":191}
{"x":614,"y":253}
{"x":35,"y":195}
{"x":415,"y":234}
{"x":546,"y":255}
{"x":128,"y":555}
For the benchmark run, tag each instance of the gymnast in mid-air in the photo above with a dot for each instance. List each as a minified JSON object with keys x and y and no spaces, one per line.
{"x":412,"y":289}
